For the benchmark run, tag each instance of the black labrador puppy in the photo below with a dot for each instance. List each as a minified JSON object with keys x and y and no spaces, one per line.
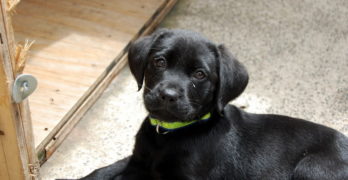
{"x":191,"y":132}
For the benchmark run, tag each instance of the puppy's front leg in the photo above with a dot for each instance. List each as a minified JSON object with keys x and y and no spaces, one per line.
{"x":135,"y":170}
{"x":109,"y":172}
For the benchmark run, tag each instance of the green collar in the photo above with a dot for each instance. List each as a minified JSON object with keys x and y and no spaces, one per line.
{"x":170,"y":126}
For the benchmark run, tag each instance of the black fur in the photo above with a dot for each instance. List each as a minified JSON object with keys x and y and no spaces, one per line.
{"x":233,"y":144}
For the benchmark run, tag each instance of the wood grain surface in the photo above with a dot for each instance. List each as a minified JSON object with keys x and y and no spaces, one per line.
{"x":75,"y":42}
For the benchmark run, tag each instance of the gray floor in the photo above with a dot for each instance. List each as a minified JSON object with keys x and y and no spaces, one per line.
{"x":295,"y":51}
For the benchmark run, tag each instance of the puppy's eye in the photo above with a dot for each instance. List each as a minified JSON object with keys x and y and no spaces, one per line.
{"x":199,"y":75}
{"x":160,"y":62}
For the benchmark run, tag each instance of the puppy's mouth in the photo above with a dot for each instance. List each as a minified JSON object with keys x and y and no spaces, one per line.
{"x":180,"y":111}
{"x":171,"y":113}
{"x":165,"y":116}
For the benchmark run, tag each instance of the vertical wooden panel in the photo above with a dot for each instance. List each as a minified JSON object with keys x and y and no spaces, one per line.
{"x":10,"y":144}
{"x":17,"y":149}
{"x":3,"y":166}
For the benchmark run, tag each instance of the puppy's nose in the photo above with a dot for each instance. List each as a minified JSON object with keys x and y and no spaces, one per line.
{"x":169,"y":95}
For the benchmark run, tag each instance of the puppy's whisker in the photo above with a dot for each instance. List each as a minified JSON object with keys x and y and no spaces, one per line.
{"x":193,"y":102}
{"x":157,"y":49}
{"x":167,"y":80}
{"x":148,"y":88}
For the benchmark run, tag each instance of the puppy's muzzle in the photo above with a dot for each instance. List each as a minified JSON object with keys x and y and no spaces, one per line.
{"x":169,"y":95}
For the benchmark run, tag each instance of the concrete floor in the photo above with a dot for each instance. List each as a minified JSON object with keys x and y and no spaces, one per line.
{"x":295,"y":51}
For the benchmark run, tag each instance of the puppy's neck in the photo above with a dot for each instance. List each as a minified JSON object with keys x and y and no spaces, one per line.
{"x":163,"y":127}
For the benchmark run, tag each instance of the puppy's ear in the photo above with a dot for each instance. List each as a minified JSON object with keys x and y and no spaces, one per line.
{"x":233,"y":78}
{"x":138,"y":54}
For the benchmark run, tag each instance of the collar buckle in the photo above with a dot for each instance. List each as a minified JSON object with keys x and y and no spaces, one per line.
{"x":158,"y":131}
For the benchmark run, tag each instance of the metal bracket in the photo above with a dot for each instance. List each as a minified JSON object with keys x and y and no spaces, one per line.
{"x":24,"y":85}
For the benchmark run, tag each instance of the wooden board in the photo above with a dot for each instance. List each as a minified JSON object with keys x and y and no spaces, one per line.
{"x":13,"y":164}
{"x":75,"y":43}
{"x":17,"y":157}
{"x":106,"y":78}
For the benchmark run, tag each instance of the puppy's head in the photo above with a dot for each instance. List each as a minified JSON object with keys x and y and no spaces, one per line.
{"x":186,"y":76}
